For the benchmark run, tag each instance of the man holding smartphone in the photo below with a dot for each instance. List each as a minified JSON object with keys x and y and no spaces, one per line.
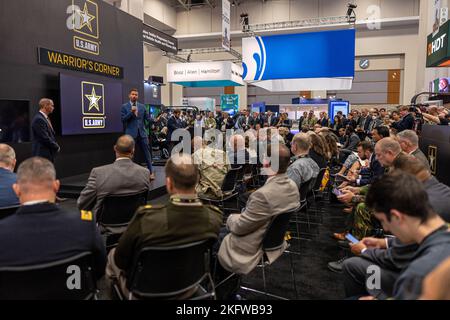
{"x":133,"y":115}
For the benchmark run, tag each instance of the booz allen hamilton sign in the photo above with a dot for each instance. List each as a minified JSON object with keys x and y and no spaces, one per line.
{"x":159,"y":39}
{"x":438,"y":48}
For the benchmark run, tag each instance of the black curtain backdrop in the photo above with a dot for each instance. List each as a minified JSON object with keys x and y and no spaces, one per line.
{"x":26,"y":25}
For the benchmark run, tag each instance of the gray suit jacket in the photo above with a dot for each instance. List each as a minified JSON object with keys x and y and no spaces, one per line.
{"x":241,"y":250}
{"x":421,"y":156}
{"x":121,"y":177}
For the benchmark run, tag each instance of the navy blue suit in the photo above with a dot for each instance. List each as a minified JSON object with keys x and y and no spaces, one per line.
{"x":135,"y":127}
{"x":373,"y":172}
{"x":7,"y":196}
{"x":406,"y":123}
{"x":44,"y":141}
{"x":44,"y":232}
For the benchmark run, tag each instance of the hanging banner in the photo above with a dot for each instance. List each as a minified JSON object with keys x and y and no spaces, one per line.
{"x":158,"y":39}
{"x":226,"y":38}
{"x":438,"y":49}
{"x":205,"y":74}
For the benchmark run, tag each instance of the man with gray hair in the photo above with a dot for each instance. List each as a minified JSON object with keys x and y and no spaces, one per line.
{"x":304,"y":168}
{"x":121,"y":177}
{"x":42,"y":232}
{"x":387,"y":150}
{"x":409,"y":142}
{"x":7,"y":176}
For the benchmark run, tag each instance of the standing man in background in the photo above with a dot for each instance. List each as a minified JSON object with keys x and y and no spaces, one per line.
{"x":44,"y":142}
{"x":133,"y":115}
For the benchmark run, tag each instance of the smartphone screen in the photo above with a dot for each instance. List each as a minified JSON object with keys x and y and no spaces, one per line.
{"x":337,"y":192}
{"x":351,"y":238}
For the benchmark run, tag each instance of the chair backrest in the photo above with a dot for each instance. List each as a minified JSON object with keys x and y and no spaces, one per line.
{"x":305,"y":188}
{"x":274,"y":236}
{"x":161,"y":272}
{"x":7,"y":211}
{"x":229,"y":182}
{"x":118,"y":210}
{"x":318,"y":181}
{"x":69,"y":279}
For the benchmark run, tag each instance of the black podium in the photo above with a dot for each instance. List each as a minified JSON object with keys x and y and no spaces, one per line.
{"x":435,"y":144}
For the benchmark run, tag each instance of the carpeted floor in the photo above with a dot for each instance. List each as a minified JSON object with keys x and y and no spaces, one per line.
{"x":313,"y":279}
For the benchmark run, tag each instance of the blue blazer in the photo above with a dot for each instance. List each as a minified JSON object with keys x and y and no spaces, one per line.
{"x":7,"y":196}
{"x":132,"y":124}
{"x":44,"y":141}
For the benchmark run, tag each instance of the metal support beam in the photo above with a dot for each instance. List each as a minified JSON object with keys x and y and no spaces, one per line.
{"x":185,"y":6}
{"x":210,"y":3}
{"x":210,"y":50}
{"x":174,"y":57}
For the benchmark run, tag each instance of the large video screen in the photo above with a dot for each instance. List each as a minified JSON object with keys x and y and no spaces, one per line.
{"x":14,"y":121}
{"x":90,"y":106}
{"x":440,"y":85}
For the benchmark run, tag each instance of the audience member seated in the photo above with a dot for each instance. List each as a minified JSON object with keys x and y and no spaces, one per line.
{"x":386,"y":151}
{"x":350,"y":144}
{"x":438,"y":193}
{"x":213,"y":165}
{"x":379,"y":133}
{"x":409,"y":216}
{"x":374,"y":170}
{"x":184,"y":219}
{"x":238,"y":155}
{"x":318,"y":151}
{"x":409,"y":141}
{"x":303,"y":168}
{"x":40,"y":231}
{"x":123,"y":176}
{"x":240,"y":250}
{"x":7,"y":176}
{"x":436,"y":285}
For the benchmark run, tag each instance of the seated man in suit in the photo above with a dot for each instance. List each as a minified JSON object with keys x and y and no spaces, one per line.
{"x":184,"y":219}
{"x":7,"y":176}
{"x":121,"y":177}
{"x":240,"y":250}
{"x":409,"y":141}
{"x":42,"y":232}
{"x":406,"y":122}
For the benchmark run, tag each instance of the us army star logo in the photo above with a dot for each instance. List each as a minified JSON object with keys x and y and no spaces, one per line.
{"x":93,"y":100}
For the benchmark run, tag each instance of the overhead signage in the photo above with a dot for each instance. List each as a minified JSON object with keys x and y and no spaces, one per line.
{"x":205,"y":74}
{"x":158,"y":39}
{"x":58,"y":59}
{"x":226,"y":37}
{"x":317,"y":55}
{"x":438,"y":54}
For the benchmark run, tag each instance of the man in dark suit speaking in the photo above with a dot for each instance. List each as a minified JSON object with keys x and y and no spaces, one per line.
{"x":44,"y":142}
{"x":133,"y":115}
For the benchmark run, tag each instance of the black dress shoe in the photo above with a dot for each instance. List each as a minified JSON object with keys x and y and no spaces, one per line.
{"x":336,"y":266}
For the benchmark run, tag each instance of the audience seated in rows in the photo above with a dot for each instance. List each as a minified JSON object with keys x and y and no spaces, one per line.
{"x":182,"y":220}
{"x":411,"y":219}
{"x":121,"y":177}
{"x":7,"y":176}
{"x":40,"y":231}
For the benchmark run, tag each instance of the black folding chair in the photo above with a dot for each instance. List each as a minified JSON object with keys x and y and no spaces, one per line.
{"x":7,"y":211}
{"x":273,"y":240}
{"x":116,"y":213}
{"x":228,"y":188}
{"x":168,"y":272}
{"x":68,"y":279}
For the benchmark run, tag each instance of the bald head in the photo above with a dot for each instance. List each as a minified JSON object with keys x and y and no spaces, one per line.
{"x":7,"y":157}
{"x":124,"y":146}
{"x":301,"y":143}
{"x":181,"y":174}
{"x":387,"y":150}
